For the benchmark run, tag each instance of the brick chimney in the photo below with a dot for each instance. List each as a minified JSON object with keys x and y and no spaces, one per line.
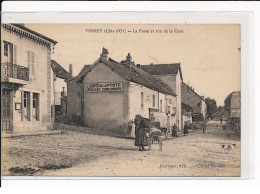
{"x":128,"y":59}
{"x":104,"y":54}
{"x":70,"y":70}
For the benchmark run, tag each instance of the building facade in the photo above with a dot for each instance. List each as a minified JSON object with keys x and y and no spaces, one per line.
{"x":60,"y":86}
{"x":27,"y":89}
{"x":75,"y":95}
{"x":194,"y":100}
{"x":171,"y":75}
{"x":235,"y":111}
{"x":114,"y":93}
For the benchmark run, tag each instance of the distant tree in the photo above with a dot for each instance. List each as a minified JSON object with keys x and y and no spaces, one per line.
{"x":211,"y":106}
{"x":221,"y":113}
{"x":227,"y":102}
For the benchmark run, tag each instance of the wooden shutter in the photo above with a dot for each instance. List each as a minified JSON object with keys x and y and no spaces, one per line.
{"x":32,"y":62}
{"x":22,"y":105}
{"x":28,"y":106}
{"x":10,"y":53}
{"x":37,"y":103}
{"x":28,"y":59}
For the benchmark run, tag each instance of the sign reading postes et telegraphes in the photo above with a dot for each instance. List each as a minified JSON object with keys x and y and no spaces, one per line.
{"x":105,"y":87}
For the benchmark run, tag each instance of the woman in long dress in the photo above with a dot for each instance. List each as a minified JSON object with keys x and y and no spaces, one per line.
{"x":140,"y":134}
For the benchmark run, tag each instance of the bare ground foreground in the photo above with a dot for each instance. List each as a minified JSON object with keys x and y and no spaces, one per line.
{"x":76,"y":153}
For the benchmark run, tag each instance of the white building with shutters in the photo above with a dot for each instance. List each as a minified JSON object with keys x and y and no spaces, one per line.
{"x":27,"y":93}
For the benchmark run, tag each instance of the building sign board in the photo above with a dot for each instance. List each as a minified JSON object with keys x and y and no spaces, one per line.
{"x":105,"y":87}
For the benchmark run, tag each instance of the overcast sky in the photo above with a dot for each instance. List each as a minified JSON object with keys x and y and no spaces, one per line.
{"x":209,"y":54}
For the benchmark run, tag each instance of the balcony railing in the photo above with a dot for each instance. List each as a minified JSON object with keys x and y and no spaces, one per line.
{"x":9,"y":70}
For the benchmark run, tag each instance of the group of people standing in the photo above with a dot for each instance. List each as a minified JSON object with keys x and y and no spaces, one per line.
{"x":142,"y":130}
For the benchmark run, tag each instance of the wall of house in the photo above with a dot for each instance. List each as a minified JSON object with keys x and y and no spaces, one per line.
{"x":41,"y":82}
{"x":135,"y":100}
{"x":135,"y":107}
{"x":74,"y":99}
{"x":174,"y":82}
{"x":192,"y":99}
{"x":235,"y":104}
{"x":186,"y":118}
{"x":59,"y":83}
{"x":204,"y":108}
{"x":105,"y":110}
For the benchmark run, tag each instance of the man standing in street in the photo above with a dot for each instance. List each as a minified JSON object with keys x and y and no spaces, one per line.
{"x":204,"y":126}
{"x":185,"y":131}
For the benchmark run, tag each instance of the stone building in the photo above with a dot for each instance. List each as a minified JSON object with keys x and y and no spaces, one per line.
{"x":60,"y":86}
{"x":235,"y":111}
{"x":191,"y":98}
{"x":115,"y":92}
{"x":27,"y":95}
{"x":75,"y":95}
{"x":171,"y":75}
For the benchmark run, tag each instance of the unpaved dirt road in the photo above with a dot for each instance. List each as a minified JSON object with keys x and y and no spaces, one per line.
{"x":196,"y":154}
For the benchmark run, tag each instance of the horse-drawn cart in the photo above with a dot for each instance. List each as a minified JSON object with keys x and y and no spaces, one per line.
{"x":153,"y":133}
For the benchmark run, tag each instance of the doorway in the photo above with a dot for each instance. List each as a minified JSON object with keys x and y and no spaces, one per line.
{"x":7,"y":113}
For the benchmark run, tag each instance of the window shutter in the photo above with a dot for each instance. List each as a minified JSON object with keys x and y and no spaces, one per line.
{"x":15,"y":54}
{"x":32,"y":62}
{"x":22,"y":97}
{"x":10,"y":57}
{"x":28,"y":106}
{"x":28,"y":59}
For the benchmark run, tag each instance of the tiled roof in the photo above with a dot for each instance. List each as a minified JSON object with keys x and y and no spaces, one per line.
{"x":35,"y":33}
{"x":191,"y":90}
{"x":136,"y":75}
{"x":81,"y":73}
{"x":162,"y":69}
{"x":59,"y":70}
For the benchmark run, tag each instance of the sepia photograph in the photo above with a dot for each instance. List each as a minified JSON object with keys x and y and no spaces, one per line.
{"x":121,"y":100}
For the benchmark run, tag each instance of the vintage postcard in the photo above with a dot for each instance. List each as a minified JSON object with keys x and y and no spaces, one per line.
{"x":121,"y":100}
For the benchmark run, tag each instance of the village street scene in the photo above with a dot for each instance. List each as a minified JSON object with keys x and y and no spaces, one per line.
{"x":84,"y":109}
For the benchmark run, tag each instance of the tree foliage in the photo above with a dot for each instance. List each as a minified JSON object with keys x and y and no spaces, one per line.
{"x":227,"y":102}
{"x":211,"y":106}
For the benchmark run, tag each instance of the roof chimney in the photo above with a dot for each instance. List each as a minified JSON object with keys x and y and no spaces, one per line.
{"x":104,"y":54}
{"x":128,"y":59}
{"x":128,"y":62}
{"x":70,"y":70}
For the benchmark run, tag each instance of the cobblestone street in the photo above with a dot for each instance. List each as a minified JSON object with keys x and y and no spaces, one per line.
{"x":84,"y":154}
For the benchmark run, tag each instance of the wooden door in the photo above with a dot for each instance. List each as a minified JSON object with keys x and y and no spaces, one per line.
{"x":7,"y":119}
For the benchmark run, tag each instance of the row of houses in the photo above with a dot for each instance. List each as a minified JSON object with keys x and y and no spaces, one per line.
{"x":235,"y":112}
{"x":106,"y":94}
